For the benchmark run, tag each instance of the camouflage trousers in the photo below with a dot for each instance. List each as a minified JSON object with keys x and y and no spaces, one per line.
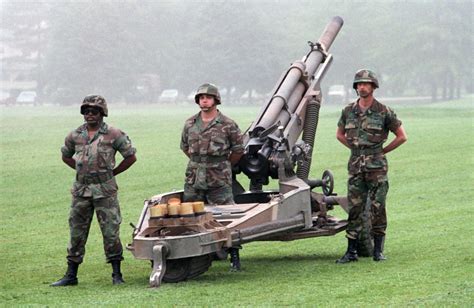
{"x":212,"y":195}
{"x":363,"y":188}
{"x":80,"y":218}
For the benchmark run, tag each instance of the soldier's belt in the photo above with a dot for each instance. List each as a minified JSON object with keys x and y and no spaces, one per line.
{"x":358,"y":152}
{"x":94,"y":178}
{"x":208,"y":159}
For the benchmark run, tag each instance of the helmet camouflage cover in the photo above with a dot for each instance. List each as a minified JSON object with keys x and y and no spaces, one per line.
{"x":208,"y":89}
{"x":95,"y":101}
{"x":365,"y":75}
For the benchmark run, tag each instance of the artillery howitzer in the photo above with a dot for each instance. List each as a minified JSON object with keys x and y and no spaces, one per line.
{"x":183,"y":244}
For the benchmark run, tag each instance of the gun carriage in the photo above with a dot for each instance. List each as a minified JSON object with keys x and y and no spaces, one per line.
{"x":182,"y":243}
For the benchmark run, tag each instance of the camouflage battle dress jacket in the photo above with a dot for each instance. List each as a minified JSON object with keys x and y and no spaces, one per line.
{"x":95,"y":159}
{"x":209,"y":149}
{"x":366,"y":132}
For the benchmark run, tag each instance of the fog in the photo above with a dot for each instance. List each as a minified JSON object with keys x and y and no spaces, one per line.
{"x":130,"y":51}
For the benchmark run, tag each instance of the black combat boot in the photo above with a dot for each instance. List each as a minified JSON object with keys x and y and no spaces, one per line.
{"x":70,"y":278}
{"x":378,"y":243}
{"x":234,"y":259}
{"x":351,"y":253}
{"x":116,"y":274}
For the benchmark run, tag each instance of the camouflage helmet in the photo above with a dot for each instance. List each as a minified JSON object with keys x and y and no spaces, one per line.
{"x":365,"y":75}
{"x":95,"y":101}
{"x":209,"y":89}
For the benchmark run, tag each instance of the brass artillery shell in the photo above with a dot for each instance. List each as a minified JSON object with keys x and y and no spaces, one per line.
{"x":198,"y":208}
{"x":186,"y":209}
{"x":173,"y":210}
{"x":174,"y":201}
{"x":164,"y":208}
{"x":159,"y":210}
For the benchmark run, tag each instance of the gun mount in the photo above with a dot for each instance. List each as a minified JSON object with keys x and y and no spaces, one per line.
{"x":182,"y":245}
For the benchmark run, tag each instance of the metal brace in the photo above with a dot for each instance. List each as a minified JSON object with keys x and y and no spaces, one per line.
{"x":160,"y":251}
{"x":318,"y":47}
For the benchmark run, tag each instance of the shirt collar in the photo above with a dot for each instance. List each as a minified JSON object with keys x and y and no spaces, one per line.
{"x":104,"y":128}
{"x":373,"y":108}
{"x":217,"y":119}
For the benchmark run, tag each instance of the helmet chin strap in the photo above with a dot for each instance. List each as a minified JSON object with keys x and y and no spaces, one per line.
{"x":207,"y":109}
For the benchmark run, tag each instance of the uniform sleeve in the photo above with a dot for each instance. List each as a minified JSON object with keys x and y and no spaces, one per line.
{"x":68,"y":149}
{"x":236,"y":139}
{"x":342,"y":120}
{"x":391,"y":120}
{"x":184,"y":139}
{"x":123,"y":144}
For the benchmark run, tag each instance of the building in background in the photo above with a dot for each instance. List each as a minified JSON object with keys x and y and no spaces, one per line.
{"x":22,"y":36}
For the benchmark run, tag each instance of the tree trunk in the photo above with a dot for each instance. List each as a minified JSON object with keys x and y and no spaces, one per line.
{"x":434,"y":90}
{"x":451,"y":87}
{"x":444,"y":89}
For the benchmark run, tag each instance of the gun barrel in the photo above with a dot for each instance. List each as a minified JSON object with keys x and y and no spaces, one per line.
{"x":313,"y":59}
{"x":287,"y":108}
{"x":296,"y":81}
{"x":331,"y":31}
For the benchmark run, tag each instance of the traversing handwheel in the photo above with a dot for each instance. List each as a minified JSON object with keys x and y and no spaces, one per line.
{"x":328,"y":182}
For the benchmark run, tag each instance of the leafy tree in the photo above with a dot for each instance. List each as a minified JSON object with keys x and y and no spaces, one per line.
{"x":91,"y":48}
{"x":416,"y":47}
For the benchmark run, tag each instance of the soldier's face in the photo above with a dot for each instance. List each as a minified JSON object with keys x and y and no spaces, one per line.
{"x":365,"y":89}
{"x":92,"y":116}
{"x":206,"y":102}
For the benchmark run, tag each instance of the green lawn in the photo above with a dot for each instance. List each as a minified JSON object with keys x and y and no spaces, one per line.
{"x":430,"y":210}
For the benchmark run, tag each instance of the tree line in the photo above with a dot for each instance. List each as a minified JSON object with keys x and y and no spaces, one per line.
{"x":416,"y":47}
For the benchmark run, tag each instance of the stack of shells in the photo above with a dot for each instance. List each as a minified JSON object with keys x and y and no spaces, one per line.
{"x":175,"y":209}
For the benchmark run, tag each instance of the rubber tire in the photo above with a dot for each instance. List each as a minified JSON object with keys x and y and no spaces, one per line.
{"x":182,"y":269}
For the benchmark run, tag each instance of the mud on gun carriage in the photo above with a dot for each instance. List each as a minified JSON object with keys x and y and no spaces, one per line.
{"x":182,"y":239}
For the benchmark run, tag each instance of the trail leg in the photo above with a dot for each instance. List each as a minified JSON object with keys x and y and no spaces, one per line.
{"x":159,"y":265}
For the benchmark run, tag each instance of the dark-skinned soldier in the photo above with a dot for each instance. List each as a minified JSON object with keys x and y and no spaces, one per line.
{"x":90,"y":150}
{"x":363,"y":127}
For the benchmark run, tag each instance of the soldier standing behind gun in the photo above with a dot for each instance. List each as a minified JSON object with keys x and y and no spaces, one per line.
{"x":90,"y":150}
{"x":213,"y":143}
{"x":363,"y":127}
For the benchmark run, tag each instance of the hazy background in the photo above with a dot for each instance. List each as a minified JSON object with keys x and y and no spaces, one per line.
{"x":130,"y":51}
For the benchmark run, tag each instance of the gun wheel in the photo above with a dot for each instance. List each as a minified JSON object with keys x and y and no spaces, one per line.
{"x":182,"y":269}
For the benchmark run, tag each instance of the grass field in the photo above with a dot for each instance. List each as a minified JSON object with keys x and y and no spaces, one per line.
{"x":430,"y":210}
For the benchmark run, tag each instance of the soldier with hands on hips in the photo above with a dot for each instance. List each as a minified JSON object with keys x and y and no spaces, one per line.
{"x":90,"y":150}
{"x":363,"y":127}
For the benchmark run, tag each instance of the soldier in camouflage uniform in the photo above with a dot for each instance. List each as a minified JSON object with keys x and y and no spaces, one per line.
{"x":363,"y":127}
{"x":90,"y":150}
{"x":213,"y":143}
